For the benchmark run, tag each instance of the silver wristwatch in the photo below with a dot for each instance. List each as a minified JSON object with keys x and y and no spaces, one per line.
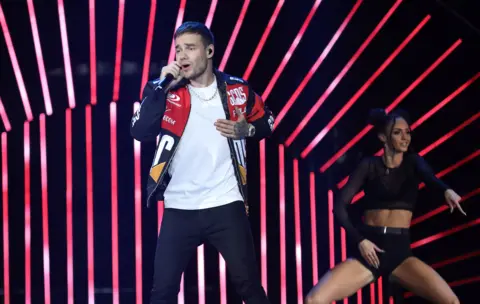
{"x":251,"y":130}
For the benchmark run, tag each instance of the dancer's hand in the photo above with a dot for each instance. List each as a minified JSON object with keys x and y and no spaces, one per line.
{"x":453,"y":201}
{"x":368,"y":251}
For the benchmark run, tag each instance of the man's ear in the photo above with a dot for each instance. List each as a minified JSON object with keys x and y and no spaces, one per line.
{"x":210,"y":51}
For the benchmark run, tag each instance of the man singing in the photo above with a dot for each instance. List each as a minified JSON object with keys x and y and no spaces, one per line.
{"x":199,"y":167}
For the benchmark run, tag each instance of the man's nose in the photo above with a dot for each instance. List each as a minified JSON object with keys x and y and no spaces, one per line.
{"x":182,"y":55}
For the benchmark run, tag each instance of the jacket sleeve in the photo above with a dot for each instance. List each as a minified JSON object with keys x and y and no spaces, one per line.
{"x":146,"y":122}
{"x":260,"y":117}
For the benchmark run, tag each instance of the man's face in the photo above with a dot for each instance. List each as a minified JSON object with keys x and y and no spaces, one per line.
{"x":191,"y":54}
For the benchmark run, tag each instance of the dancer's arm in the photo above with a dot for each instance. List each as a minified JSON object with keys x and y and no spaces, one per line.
{"x":354,"y":184}
{"x":426,"y":174}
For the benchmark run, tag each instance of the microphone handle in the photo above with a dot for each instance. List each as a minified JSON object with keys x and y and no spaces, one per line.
{"x":165,"y":82}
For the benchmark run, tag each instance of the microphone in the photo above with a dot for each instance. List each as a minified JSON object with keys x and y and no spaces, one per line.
{"x":163,"y":83}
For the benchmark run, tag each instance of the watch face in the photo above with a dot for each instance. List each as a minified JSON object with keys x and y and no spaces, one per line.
{"x":251,"y":130}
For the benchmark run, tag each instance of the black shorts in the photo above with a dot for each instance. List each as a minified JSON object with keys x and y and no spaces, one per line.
{"x":395,"y":242}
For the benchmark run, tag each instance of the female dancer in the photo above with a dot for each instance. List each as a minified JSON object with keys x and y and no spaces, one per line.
{"x":390,"y":183}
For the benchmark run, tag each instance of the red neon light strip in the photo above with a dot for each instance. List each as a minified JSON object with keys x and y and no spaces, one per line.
{"x":362,"y":90}
{"x":263,"y":214}
{"x":66,"y":54}
{"x":343,"y":242}
{"x":372,"y":293}
{"x":38,"y":52}
{"x":233,"y":38}
{"x":454,"y":166}
{"x":424,"y":74}
{"x":265,"y":35}
{"x":114,"y":194}
{"x":444,"y":233}
{"x":445,"y":101}
{"x":90,"y":257}
{"x":211,"y":13}
{"x":160,"y":207}
{"x":442,"y":208}
{"x":400,"y":98}
{"x":313,"y":221}
{"x":181,"y":11}
{"x":201,"y":274}
{"x":181,"y":297}
{"x":433,"y":145}
{"x":290,"y":51}
{"x":342,"y":73}
{"x":16,"y":67}
{"x":298,"y":237}
{"x":331,"y":229}
{"x":438,"y":175}
{"x":6,"y":248}
{"x":359,"y":296}
{"x":44,"y":180}
{"x":26,"y":162}
{"x":445,"y":137}
{"x":380,"y":290}
{"x":138,"y":216}
{"x":342,"y":183}
{"x":452,"y":284}
{"x":283,"y":255}
{"x":118,"y":53}
{"x":262,"y":157}
{"x":456,"y":259}
{"x":69,"y":203}
{"x":93,"y":53}
{"x":223,"y":280}
{"x":148,"y":46}
{"x":317,"y":64}
{"x":4,"y":117}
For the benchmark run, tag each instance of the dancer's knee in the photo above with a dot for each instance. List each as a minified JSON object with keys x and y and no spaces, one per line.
{"x":453,"y":300}
{"x":314,"y":299}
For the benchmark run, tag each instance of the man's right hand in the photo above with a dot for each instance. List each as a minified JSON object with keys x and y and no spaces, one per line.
{"x":175,"y":69}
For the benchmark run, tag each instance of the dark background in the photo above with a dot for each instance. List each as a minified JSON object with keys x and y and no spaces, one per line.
{"x":450,"y":21}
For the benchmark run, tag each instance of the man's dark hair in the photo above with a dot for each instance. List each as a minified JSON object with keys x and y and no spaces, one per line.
{"x":194,"y":27}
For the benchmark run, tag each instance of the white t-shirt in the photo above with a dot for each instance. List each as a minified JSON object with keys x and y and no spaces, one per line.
{"x":202,"y":171}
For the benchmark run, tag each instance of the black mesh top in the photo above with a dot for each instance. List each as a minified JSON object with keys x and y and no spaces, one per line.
{"x":385,"y":188}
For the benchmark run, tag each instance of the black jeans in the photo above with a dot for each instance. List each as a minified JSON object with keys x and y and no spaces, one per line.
{"x":226,"y":228}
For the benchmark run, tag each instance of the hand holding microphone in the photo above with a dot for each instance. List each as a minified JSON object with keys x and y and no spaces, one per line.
{"x":170,"y":75}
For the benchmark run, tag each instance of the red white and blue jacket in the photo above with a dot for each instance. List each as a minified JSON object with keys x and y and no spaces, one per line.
{"x":167,"y":115}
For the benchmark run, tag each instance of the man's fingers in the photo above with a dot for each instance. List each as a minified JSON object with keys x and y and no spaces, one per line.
{"x":461,"y":210}
{"x":225,"y":122}
{"x":228,"y":135}
{"x":225,"y":128}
